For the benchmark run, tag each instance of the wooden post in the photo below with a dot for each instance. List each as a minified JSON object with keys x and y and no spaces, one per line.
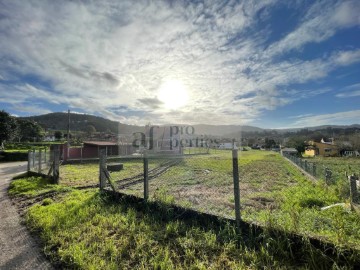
{"x":29,"y":161}
{"x":305,"y":165}
{"x":353,"y":189}
{"x":102,"y":166}
{"x":39,"y":165}
{"x":146,"y":176}
{"x":314,"y":170}
{"x":33,"y":158}
{"x":45,"y":155}
{"x":236,"y":187}
{"x":56,"y":164}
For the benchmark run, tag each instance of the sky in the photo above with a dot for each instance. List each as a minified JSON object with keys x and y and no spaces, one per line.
{"x":271,"y":64}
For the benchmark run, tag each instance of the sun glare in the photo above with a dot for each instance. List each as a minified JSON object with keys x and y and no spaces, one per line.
{"x":173,"y":94}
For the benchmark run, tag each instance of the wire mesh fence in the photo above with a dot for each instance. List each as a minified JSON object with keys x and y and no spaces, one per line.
{"x":198,"y":179}
{"x":315,"y":170}
{"x":39,"y":160}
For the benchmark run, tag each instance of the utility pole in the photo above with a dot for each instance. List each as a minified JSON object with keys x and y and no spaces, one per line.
{"x":68,"y":127}
{"x":68,"y":134}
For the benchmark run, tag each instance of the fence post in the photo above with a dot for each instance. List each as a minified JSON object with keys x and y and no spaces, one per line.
{"x":56,"y":164}
{"x":33,"y":158}
{"x":328,"y":175}
{"x":236,"y":188}
{"x":146,"y":176}
{"x":305,"y":165}
{"x":29,"y":161}
{"x":45,"y":155}
{"x":314,"y":170}
{"x":102,"y":165}
{"x":39,"y":165}
{"x":353,"y":189}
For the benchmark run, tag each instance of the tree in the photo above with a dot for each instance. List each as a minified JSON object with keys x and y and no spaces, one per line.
{"x":297,"y":142}
{"x":8,"y":127}
{"x":355,"y":141}
{"x":269,"y":143}
{"x":90,"y":129}
{"x":29,"y":130}
{"x":58,"y":135}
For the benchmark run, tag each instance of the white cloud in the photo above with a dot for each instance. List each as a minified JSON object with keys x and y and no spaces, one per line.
{"x":31,"y":110}
{"x":350,"y":91}
{"x":102,"y":56}
{"x":339,"y":118}
{"x":321,"y":22}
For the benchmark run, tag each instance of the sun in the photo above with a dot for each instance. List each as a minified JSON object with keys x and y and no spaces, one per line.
{"x":173,"y":94}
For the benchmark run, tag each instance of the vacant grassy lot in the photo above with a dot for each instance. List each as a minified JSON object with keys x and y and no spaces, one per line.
{"x":273,"y":191}
{"x":84,"y":229}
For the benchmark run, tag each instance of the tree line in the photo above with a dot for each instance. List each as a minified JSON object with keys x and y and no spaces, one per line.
{"x":20,"y":130}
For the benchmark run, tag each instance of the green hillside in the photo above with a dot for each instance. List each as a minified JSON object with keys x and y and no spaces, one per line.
{"x":79,"y":122}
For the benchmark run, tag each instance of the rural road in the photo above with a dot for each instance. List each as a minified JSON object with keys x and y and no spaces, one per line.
{"x":18,"y":250}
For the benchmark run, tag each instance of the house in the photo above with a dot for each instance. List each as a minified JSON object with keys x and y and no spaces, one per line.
{"x":289,"y":151}
{"x":226,"y":145}
{"x":49,"y":138}
{"x":322,"y":148}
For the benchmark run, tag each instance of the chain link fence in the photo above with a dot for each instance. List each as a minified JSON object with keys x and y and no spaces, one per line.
{"x":39,"y":160}
{"x":315,"y":170}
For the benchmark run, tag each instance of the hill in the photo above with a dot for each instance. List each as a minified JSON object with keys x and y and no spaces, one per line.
{"x":79,"y":122}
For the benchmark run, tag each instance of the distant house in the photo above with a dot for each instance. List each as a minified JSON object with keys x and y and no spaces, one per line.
{"x":49,"y":138}
{"x":288,"y":151}
{"x":322,"y":148}
{"x":91,"y":150}
{"x":226,"y":145}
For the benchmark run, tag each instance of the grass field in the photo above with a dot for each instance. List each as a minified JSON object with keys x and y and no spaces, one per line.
{"x":273,"y":192}
{"x":82,"y":229}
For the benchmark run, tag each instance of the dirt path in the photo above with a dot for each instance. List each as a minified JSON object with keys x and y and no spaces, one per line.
{"x":18,"y":250}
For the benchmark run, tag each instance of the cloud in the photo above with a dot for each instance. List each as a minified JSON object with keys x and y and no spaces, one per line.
{"x":101,"y":56}
{"x":322,"y":21}
{"x":153,"y":103}
{"x":349,"y":91}
{"x":31,"y":110}
{"x":339,"y":118}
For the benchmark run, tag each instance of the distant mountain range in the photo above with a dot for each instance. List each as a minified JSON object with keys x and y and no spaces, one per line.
{"x":79,"y":122}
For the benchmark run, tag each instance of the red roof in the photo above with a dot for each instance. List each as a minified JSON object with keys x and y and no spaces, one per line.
{"x":100,"y":143}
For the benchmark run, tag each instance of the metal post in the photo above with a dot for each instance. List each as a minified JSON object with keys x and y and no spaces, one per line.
{"x":39,"y":165}
{"x":29,"y":161}
{"x":236,"y":187}
{"x":33,"y":158}
{"x":56,"y":164}
{"x":102,"y":165}
{"x":146,"y":176}
{"x":353,"y":189}
{"x":314,"y":170}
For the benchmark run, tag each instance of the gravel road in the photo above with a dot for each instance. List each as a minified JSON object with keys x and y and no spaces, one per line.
{"x":18,"y":250}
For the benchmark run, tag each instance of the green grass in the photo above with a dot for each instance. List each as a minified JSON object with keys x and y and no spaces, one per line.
{"x":33,"y":186}
{"x":84,"y":229}
{"x":339,"y":166}
{"x":272,"y":191}
{"x":88,"y":173}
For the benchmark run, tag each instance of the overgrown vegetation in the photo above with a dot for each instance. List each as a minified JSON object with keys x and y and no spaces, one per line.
{"x":89,"y":230}
{"x":86,"y":229}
